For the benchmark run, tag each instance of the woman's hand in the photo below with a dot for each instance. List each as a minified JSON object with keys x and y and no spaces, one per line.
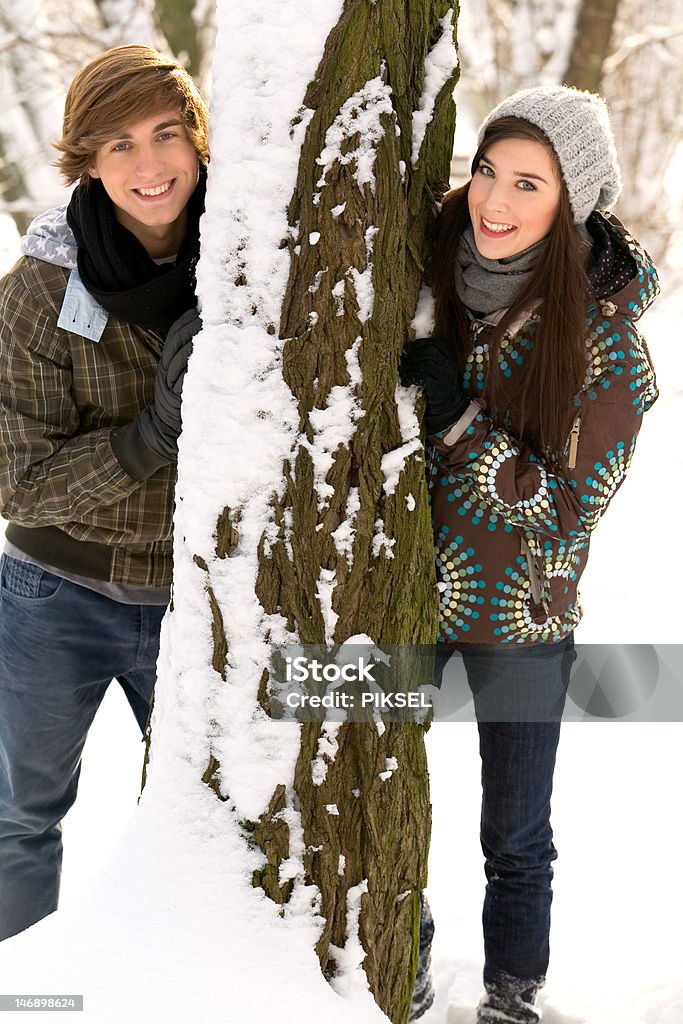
{"x":428,"y":363}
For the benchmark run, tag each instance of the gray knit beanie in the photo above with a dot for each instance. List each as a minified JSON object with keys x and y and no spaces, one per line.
{"x":578,"y":128}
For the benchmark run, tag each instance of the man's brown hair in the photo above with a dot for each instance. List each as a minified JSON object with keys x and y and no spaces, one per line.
{"x":116,"y":89}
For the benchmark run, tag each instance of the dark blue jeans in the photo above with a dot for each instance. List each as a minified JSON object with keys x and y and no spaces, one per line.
{"x":519,"y":695}
{"x":60,"y":647}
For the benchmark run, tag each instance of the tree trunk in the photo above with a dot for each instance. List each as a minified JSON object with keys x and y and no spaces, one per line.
{"x":370,"y":175}
{"x":13,"y":190}
{"x":174,"y":18}
{"x":381,"y":831}
{"x":591,"y":46}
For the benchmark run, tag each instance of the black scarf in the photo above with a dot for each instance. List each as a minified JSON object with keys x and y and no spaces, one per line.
{"x":117,"y":270}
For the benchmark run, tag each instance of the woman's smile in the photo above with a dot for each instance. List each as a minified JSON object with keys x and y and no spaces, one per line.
{"x":496,"y":230}
{"x":513,"y":197}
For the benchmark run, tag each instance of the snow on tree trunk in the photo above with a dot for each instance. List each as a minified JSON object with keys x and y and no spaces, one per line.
{"x":352,"y":553}
{"x":313,"y":525}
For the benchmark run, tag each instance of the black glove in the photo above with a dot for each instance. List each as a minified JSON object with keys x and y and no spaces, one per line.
{"x":151,"y":441}
{"x":428,"y":363}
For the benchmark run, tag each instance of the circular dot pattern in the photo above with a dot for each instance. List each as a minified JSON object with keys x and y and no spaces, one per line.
{"x":485,"y":590}
{"x":461,"y":591}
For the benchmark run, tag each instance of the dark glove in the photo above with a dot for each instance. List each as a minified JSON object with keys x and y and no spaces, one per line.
{"x":151,"y":441}
{"x":428,"y":363}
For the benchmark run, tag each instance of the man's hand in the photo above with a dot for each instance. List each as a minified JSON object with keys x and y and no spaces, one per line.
{"x":161,"y":428}
{"x":428,"y":363}
{"x":151,"y":440}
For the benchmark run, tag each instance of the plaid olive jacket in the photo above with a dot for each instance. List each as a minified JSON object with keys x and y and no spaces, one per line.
{"x":68,"y":500}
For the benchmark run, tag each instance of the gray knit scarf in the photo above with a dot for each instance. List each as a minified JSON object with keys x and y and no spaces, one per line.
{"x":485,"y":286}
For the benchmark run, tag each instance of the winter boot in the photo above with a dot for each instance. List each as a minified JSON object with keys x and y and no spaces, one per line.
{"x":510,"y":1000}
{"x":423,"y":993}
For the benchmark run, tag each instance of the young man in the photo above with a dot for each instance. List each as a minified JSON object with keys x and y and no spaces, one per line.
{"x":96,"y":327}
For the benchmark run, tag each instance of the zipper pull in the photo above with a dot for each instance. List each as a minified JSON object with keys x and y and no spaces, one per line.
{"x":539,"y":605}
{"x":574,"y":442}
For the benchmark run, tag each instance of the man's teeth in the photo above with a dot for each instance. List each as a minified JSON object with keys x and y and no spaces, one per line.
{"x":496,"y":227}
{"x":155,"y":191}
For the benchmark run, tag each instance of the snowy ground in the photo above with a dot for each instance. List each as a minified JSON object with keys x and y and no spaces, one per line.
{"x":617,"y":943}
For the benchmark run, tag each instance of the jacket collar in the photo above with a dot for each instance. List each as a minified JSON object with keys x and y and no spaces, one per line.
{"x":639,"y":292}
{"x":49,"y":238}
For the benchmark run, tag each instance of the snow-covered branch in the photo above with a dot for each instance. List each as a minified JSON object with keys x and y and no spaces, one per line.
{"x":635,"y":43}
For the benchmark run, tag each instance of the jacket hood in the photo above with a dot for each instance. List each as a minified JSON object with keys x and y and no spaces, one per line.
{"x":622,"y":272}
{"x":49,"y":238}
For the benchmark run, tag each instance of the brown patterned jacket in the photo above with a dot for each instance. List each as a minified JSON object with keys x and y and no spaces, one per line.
{"x":512,"y":533}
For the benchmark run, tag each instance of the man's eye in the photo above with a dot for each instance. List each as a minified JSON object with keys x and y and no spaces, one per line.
{"x":120,"y":147}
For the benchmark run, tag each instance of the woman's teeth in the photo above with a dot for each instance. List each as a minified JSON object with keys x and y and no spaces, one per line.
{"x":499,"y":228}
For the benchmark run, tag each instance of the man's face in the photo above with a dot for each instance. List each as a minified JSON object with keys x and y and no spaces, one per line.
{"x":149,"y":172}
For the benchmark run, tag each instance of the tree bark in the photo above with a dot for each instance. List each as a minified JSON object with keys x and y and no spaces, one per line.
{"x":174,"y":18}
{"x":366,"y":829}
{"x":591,"y":46}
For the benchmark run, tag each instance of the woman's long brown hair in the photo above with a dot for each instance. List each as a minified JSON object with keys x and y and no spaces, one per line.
{"x":556,"y":365}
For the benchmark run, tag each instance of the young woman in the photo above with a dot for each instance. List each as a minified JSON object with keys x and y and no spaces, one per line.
{"x":535,"y":386}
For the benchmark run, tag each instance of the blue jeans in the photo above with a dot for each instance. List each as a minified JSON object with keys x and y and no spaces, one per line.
{"x":514,"y":684}
{"x":60,"y":647}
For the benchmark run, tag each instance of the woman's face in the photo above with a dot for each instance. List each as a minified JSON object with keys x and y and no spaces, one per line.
{"x":513,"y":198}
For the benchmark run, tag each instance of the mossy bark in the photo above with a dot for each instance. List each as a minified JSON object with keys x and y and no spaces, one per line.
{"x":360,"y":829}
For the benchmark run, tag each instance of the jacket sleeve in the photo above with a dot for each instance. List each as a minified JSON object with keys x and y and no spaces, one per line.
{"x":522,"y":487}
{"x":49,"y":472}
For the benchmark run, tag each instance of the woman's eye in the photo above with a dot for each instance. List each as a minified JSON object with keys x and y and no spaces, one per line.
{"x":167,"y":135}
{"x":486,"y":170}
{"x":120,"y":147}
{"x":526,"y":186}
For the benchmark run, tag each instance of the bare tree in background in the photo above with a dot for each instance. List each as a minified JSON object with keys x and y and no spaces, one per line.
{"x":43,"y":43}
{"x":174,"y":18}
{"x":507,"y":45}
{"x":630,"y":52}
{"x":591,"y":46}
{"x":643,"y":84}
{"x":30,"y":82}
